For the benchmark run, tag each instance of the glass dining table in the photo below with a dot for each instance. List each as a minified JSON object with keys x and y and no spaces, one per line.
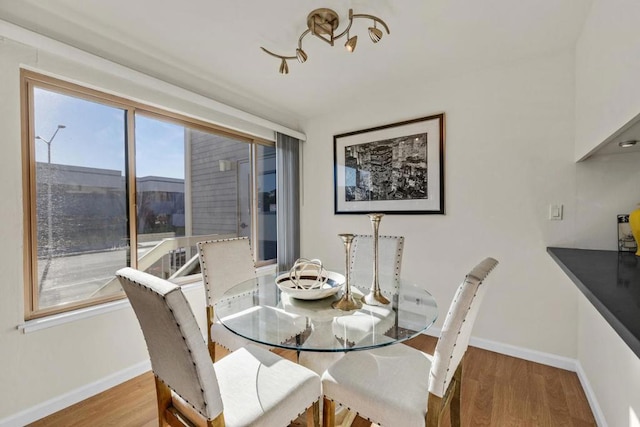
{"x":261,"y":312}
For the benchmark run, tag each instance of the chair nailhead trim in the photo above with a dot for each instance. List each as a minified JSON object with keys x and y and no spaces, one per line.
{"x":164,"y":299}
{"x":189,"y":403}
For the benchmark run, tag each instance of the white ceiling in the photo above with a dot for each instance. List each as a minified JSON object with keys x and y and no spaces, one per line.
{"x":212,"y":47}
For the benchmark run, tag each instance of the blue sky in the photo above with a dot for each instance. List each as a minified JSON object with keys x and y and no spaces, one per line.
{"x":94,"y":137}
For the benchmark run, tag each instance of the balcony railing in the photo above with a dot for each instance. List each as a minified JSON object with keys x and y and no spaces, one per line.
{"x":172,"y":258}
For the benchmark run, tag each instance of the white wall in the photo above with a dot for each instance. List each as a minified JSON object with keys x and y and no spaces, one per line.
{"x":45,"y":364}
{"x":509,"y":154}
{"x":607,"y":72}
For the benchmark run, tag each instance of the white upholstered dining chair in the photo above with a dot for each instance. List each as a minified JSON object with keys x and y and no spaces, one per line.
{"x":400,"y":386}
{"x":224,"y":263}
{"x":251,"y":386}
{"x":389,"y":262}
{"x":389,"y":265}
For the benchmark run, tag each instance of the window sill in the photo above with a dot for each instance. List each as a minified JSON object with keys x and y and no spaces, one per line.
{"x":96,"y":310}
{"x":83,"y":313}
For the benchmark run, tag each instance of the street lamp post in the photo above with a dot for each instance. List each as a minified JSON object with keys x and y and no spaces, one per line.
{"x":49,"y":205}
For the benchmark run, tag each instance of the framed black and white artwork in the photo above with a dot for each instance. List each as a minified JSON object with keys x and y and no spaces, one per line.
{"x":391,"y":169}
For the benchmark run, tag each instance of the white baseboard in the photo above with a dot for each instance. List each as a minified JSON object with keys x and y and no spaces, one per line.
{"x":74,"y":396}
{"x":515,"y":351}
{"x":591,"y":396}
{"x":548,"y":359}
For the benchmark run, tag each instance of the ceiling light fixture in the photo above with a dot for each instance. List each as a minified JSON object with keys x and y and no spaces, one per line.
{"x":627,"y":144}
{"x":323,"y":23}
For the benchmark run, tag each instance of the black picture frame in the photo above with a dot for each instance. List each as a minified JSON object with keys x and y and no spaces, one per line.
{"x":392,"y":169}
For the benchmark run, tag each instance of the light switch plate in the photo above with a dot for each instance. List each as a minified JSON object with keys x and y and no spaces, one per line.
{"x":555,"y":212}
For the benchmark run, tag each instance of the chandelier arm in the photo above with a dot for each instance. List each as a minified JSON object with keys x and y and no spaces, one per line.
{"x":351,"y":16}
{"x":324,"y":21}
{"x":307,"y":31}
{"x":276,"y":55}
{"x":375,"y":18}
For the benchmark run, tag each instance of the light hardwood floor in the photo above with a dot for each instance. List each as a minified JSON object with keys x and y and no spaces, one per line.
{"x":497,"y":390}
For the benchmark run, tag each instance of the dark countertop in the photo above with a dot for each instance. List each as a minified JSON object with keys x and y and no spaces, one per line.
{"x":611,"y":281}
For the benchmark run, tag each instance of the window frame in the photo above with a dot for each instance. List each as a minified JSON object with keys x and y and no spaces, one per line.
{"x":30,"y":80}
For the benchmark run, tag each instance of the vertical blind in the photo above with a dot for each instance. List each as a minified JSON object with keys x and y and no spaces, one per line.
{"x":288,"y":200}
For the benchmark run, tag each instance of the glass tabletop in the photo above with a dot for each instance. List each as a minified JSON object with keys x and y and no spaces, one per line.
{"x":259,"y":311}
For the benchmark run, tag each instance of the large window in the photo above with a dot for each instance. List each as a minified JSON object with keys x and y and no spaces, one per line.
{"x":104,"y":175}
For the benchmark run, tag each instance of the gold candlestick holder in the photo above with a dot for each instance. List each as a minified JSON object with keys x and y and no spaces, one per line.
{"x":375,"y":297}
{"x":347,"y":302}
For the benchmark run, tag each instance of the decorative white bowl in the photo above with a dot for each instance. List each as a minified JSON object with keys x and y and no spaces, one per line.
{"x":298,"y":290}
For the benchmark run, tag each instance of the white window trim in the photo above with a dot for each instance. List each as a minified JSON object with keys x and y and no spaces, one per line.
{"x":83,"y":313}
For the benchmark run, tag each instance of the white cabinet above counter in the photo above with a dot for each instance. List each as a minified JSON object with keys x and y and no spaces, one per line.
{"x":607,"y":75}
{"x":623,"y":141}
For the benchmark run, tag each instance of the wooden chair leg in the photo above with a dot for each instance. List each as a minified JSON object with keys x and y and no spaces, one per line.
{"x":212,"y":349}
{"x":455,"y":399}
{"x":210,"y":344}
{"x":434,"y":411}
{"x":163,"y":395}
{"x":181,"y":414}
{"x":313,"y":415}
{"x":328,"y":413}
{"x":217,"y":422}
